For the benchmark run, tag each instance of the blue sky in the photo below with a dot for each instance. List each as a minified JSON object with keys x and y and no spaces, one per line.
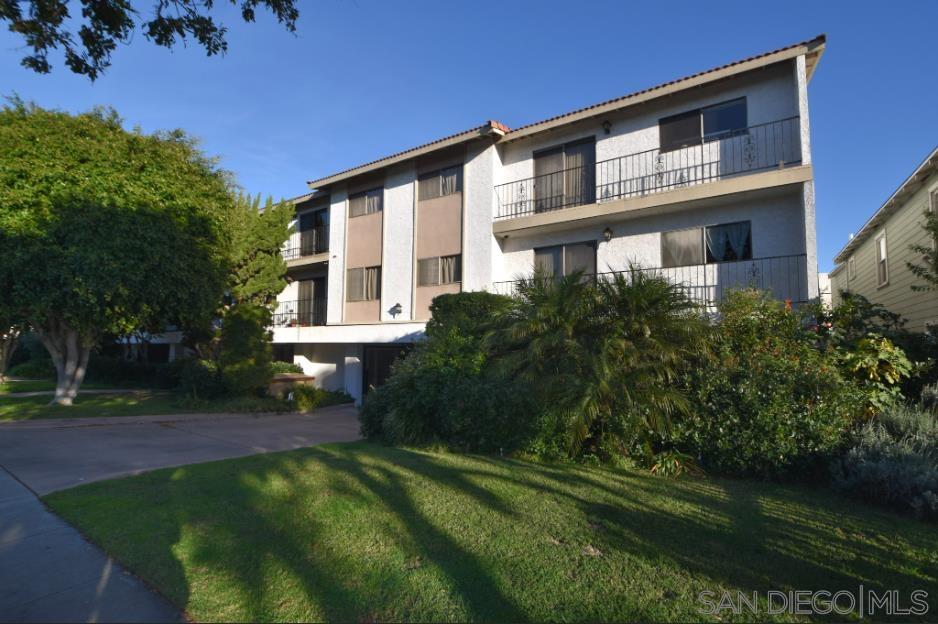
{"x":364,"y":78}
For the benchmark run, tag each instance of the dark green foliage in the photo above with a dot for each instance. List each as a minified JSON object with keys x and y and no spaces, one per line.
{"x":117,"y":371}
{"x":306,"y":398}
{"x":768,"y":403}
{"x":468,"y":313}
{"x":201,"y":380}
{"x":39,"y":368}
{"x":103,"y":26}
{"x":604,"y":357}
{"x":445,"y":391}
{"x":893,"y":462}
{"x":278,"y":368}
{"x":245,"y":356}
{"x":927,"y":271}
{"x":257,"y":271}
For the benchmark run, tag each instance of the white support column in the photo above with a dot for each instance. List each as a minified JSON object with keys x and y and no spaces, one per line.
{"x":337,"y":227}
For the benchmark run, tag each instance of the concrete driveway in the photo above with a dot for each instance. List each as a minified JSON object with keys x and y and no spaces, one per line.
{"x":48,"y":572}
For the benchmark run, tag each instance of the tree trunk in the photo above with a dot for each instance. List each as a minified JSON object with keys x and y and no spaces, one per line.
{"x":70,"y":353}
{"x":8,"y":342}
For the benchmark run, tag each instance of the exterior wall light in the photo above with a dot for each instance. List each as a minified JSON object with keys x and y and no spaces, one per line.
{"x":607,"y":126}
{"x":607,"y":235}
{"x":395,"y":310}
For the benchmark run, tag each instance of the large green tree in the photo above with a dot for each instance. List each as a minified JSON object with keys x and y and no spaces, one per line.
{"x":45,"y":25}
{"x":927,"y":271}
{"x":255,"y":234}
{"x":105,"y":231}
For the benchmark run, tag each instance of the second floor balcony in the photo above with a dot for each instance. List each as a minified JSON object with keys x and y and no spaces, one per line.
{"x":757,"y":148}
{"x":307,"y":243}
{"x":707,"y":285}
{"x":300,"y":313}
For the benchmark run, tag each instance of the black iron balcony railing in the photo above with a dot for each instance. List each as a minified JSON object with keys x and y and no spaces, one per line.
{"x":301,"y":313}
{"x":307,"y":243}
{"x":756,"y":148}
{"x":786,"y":277}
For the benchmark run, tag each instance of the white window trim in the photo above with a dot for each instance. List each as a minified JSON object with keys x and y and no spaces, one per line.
{"x":881,"y":237}
{"x":851,"y":268}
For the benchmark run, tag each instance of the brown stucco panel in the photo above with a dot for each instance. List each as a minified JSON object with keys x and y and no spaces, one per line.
{"x":439,"y":226}
{"x":425,"y":295}
{"x":364,"y":241}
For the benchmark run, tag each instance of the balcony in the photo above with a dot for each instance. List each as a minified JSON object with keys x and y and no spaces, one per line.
{"x":306,"y":243}
{"x":301,"y":313}
{"x":786,"y":277}
{"x":762,"y":147}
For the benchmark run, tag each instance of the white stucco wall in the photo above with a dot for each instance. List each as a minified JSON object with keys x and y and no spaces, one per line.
{"x":777,"y":230}
{"x":771,"y":95}
{"x":397,"y":262}
{"x":479,"y":249}
{"x":337,"y":230}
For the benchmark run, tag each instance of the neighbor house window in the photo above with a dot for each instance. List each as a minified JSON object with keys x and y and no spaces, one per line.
{"x":726,"y":242}
{"x":851,"y":269}
{"x":440,"y":183}
{"x":368,"y":202}
{"x":882,"y":262}
{"x":440,"y":270}
{"x":363,"y":284}
{"x":566,"y":259}
{"x":703,"y":124}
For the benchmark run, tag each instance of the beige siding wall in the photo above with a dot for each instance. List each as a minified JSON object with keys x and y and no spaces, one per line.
{"x":902,"y":229}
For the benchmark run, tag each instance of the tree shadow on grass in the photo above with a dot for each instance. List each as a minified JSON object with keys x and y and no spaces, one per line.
{"x":362,"y":532}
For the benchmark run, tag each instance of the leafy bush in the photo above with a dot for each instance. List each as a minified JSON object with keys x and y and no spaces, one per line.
{"x":445,"y":391}
{"x":33,"y":369}
{"x":279,"y":368}
{"x":200,"y":380}
{"x":878,"y":367}
{"x":768,"y":403}
{"x":893,"y":462}
{"x":245,"y":356}
{"x":306,"y":397}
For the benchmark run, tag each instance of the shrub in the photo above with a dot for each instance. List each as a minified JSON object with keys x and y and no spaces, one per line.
{"x":878,"y":368}
{"x":33,"y":369}
{"x":306,"y":397}
{"x":279,"y":368}
{"x":893,"y":462}
{"x":245,"y":356}
{"x":768,"y":403}
{"x":200,"y":380}
{"x":466,"y":313}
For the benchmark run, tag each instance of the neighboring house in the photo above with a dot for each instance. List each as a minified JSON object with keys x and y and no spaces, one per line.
{"x":874,"y":262}
{"x":706,"y":180}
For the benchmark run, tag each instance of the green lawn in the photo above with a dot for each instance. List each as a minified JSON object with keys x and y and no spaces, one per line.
{"x":358,"y":532}
{"x":41,"y":385}
{"x":145,"y":403}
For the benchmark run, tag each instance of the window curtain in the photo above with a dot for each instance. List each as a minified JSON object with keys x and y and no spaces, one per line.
{"x":354,"y":285}
{"x":728,"y":242}
{"x":449,"y":269}
{"x":373,"y":201}
{"x":681,"y":248}
{"x":372,"y":283}
{"x":429,"y":186}
{"x":428,"y":272}
{"x":579,"y":173}
{"x":450,"y":181}
{"x":548,"y":261}
{"x":548,"y":180}
{"x":580,"y":257}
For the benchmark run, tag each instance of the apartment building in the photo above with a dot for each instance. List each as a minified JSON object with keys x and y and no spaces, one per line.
{"x":874,"y":262}
{"x":706,"y":180}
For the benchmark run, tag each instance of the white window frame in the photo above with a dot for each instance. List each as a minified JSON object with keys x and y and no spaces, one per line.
{"x":851,"y":268}
{"x":881,"y":245}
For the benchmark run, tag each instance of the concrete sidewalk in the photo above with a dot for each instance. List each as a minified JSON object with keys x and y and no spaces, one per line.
{"x":49,"y":573}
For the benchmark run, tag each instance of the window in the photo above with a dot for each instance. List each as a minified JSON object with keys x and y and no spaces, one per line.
{"x":440,"y":183}
{"x":363,"y":284}
{"x":882,"y":262}
{"x":440,"y":270}
{"x":933,"y":203}
{"x":566,"y":259}
{"x":565,"y":175}
{"x":726,"y":242}
{"x":729,"y":242}
{"x":314,"y":232}
{"x":703,"y":124}
{"x":851,"y":268}
{"x":365,"y":203}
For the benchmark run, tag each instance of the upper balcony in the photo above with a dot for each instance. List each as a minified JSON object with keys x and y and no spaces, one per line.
{"x":762,"y":148}
{"x":307,"y":246}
